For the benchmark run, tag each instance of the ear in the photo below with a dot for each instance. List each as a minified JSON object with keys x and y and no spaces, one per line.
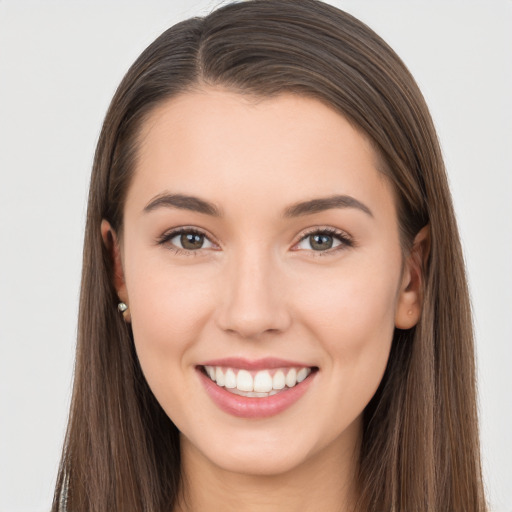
{"x":111,"y":242}
{"x":410,"y":298}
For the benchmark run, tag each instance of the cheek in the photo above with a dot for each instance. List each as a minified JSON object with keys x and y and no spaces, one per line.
{"x":169,"y":308}
{"x":354,"y":304}
{"x":353,"y":319}
{"x":166,"y":301}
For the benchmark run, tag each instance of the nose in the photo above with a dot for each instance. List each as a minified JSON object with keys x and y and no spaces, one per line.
{"x":253,"y":300}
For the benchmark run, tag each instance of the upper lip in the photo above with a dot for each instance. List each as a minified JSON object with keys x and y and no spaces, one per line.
{"x":265,"y":363}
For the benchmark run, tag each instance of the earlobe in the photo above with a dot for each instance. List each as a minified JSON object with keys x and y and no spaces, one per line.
{"x":111,"y":242}
{"x":410,"y":300}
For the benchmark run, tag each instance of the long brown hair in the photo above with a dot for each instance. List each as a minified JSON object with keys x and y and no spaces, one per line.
{"x":420,"y":448}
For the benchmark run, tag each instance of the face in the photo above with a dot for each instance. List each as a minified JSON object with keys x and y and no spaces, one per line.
{"x":261,"y":263}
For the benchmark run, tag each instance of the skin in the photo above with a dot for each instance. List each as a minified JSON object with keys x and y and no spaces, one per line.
{"x":258,"y":289}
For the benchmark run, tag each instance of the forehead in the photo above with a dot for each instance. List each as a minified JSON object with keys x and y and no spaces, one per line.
{"x":211,"y":114}
{"x":230,"y":146}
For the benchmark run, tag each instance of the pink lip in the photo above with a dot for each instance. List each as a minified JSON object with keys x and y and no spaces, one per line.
{"x":252,"y":407}
{"x":266,"y":363}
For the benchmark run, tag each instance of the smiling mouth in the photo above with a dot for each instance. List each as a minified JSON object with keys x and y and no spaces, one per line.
{"x":258,"y":384}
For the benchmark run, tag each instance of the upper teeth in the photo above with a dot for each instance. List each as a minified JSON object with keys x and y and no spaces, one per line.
{"x":263,"y":381}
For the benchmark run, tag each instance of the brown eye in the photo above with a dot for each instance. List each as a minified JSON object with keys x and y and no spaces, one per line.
{"x":188,"y":240}
{"x":191,"y":241}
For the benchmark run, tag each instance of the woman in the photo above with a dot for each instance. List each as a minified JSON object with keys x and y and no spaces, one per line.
{"x":274,"y":312}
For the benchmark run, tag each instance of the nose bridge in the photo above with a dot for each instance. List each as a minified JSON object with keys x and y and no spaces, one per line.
{"x":253,"y":301}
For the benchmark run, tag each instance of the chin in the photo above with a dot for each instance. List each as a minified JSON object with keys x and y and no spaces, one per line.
{"x":252,"y":451}
{"x":258,"y":462}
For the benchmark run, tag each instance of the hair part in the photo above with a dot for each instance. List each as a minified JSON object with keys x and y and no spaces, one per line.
{"x":420,"y":449}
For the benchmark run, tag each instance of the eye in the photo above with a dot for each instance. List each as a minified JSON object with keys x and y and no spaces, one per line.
{"x":186,"y":240}
{"x":325,"y":240}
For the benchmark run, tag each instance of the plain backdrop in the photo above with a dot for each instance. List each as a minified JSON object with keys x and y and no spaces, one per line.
{"x":60,"y":63}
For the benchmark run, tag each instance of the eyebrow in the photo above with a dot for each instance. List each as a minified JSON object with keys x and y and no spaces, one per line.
{"x":195,"y":204}
{"x":325,"y":203}
{"x":183,"y":202}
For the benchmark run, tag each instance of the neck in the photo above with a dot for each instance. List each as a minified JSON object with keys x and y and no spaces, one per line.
{"x":326,"y":482}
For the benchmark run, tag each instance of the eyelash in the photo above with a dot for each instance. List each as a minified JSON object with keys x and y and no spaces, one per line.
{"x":345,"y":240}
{"x":167,"y":237}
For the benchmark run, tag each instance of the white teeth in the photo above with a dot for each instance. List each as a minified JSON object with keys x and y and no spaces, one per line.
{"x":262,"y":382}
{"x":252,"y":394}
{"x":219,"y":376}
{"x":244,"y":381}
{"x":302,"y":374}
{"x":230,"y":379}
{"x":210,"y":370}
{"x":291,"y":378}
{"x":278,"y":381}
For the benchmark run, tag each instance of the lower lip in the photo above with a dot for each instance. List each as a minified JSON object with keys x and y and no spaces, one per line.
{"x":252,"y":407}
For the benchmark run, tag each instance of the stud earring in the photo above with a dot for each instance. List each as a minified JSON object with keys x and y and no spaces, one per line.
{"x":122,"y":307}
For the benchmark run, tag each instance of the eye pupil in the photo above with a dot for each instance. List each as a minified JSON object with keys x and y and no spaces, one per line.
{"x":321,"y":242}
{"x":191,"y":241}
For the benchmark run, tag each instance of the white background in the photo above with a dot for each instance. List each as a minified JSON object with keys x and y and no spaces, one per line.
{"x":60,"y":63}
